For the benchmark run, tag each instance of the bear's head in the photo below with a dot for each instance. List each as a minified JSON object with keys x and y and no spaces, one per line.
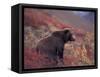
{"x":65,"y":35}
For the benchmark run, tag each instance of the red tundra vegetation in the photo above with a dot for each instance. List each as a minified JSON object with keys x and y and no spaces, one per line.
{"x":41,"y":23}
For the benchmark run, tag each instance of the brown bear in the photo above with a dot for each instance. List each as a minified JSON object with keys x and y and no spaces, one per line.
{"x":53,"y":47}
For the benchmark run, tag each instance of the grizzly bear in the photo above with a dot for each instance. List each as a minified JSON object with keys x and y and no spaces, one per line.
{"x":53,"y":46}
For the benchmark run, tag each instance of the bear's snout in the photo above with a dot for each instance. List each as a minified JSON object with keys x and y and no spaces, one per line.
{"x":72,"y":38}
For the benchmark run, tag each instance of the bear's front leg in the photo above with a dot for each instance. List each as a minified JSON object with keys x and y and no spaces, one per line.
{"x":60,"y":57}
